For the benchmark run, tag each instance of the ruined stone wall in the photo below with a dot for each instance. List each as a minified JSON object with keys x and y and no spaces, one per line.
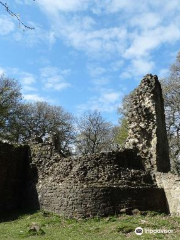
{"x":13,"y":165}
{"x":171,"y":185}
{"x":36,"y":176}
{"x":99,"y":184}
{"x":103,"y":184}
{"x":146,"y":121}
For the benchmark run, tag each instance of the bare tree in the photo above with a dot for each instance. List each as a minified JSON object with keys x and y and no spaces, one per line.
{"x":94,"y":133}
{"x":15,"y":15}
{"x":171,"y":91}
{"x":125,"y":107}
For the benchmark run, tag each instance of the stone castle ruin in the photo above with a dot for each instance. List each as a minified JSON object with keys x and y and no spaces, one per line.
{"x":35,"y":176}
{"x":147,"y":129}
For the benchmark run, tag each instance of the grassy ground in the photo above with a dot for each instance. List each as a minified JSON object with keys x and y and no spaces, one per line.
{"x":53,"y":227}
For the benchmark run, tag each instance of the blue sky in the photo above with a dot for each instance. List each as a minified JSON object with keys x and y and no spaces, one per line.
{"x":87,"y":54}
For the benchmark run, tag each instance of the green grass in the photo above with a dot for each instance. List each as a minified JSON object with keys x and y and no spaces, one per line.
{"x":53,"y":227}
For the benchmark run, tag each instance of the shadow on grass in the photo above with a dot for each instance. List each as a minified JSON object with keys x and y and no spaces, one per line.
{"x":14,"y":215}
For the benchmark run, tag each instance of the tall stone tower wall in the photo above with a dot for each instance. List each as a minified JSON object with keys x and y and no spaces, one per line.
{"x":147,"y":129}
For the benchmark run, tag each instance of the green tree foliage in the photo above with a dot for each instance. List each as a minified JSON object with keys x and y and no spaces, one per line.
{"x":42,"y":120}
{"x":10,"y":97}
{"x":121,"y":132}
{"x":21,"y":121}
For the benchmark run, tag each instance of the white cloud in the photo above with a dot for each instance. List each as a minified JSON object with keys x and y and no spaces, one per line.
{"x":133,"y":32}
{"x":95,"y":71}
{"x":53,"y":78}
{"x":113,"y":6}
{"x":51,"y":38}
{"x":87,"y":23}
{"x":56,"y":83}
{"x":111,"y":97}
{"x":146,"y":20}
{"x":142,"y":66}
{"x":106,"y":6}
{"x":116,"y":66}
{"x":34,"y":97}
{"x":101,"y":81}
{"x":139,"y":28}
{"x":32,"y":90}
{"x":163,"y":73}
{"x":6,"y":25}
{"x":31,"y":38}
{"x":150,"y":40}
{"x":2,"y":71}
{"x":24,"y":1}
{"x":82,"y":31}
{"x":126,"y":74}
{"x":26,"y":79}
{"x":170,"y":6}
{"x":140,"y":6}
{"x":138,"y":68}
{"x":27,"y":88}
{"x":64,"y":6}
{"x":116,"y":5}
{"x":107,"y":101}
{"x":94,"y":42}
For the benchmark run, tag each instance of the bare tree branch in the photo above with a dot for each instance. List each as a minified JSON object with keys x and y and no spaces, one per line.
{"x":94,"y":134}
{"x":15,"y":15}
